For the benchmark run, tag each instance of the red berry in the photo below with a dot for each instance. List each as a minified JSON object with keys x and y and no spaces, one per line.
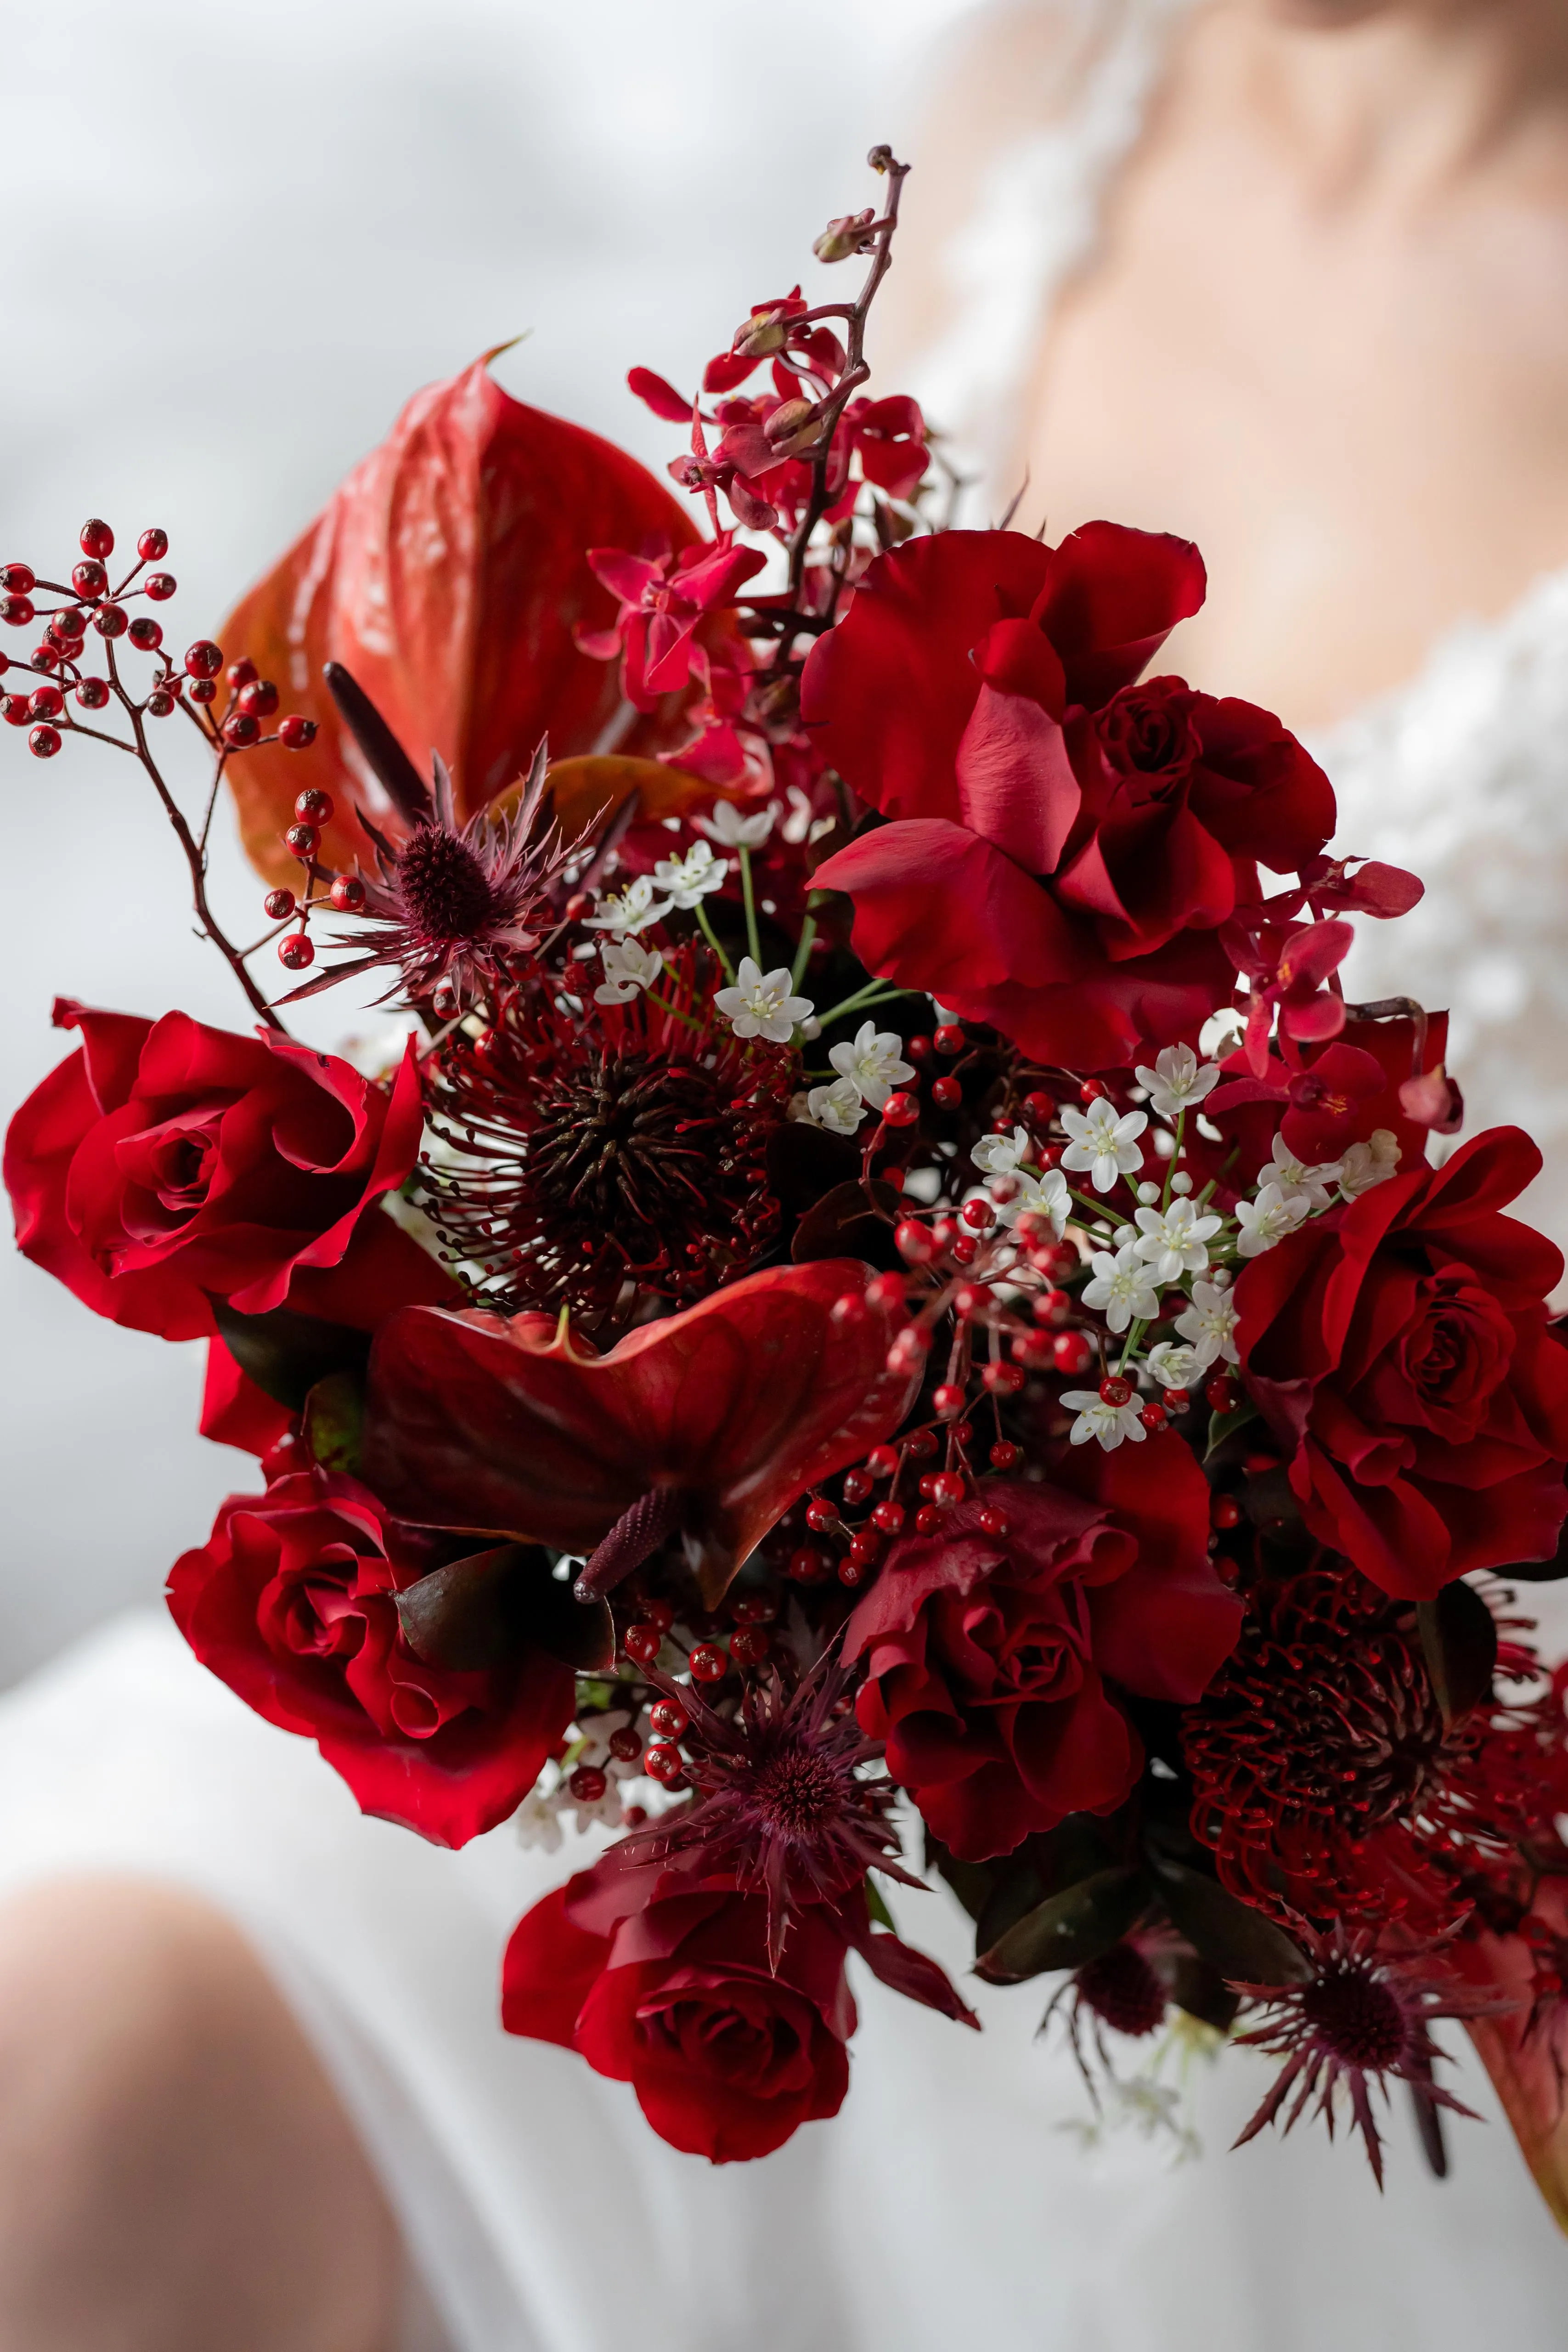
{"x":45,"y":658}
{"x":1219,"y":1394}
{"x":1034,"y":1350}
{"x":1004,"y":1453}
{"x":642,"y":1644}
{"x":626,"y":1744}
{"x":16,"y":610}
{"x":886,"y":1292}
{"x":918,"y":1049}
{"x":159,"y":586}
{"x":914,"y":1242}
{"x":588,"y":1784}
{"x":92,"y":693}
{"x":242,"y":730}
{"x":971,"y":1299}
{"x":152,"y":546}
{"x":302,"y":840}
{"x":1226,"y":1511}
{"x":1115,"y":1391}
{"x":900,"y":1110}
{"x":1003,"y":1380}
{"x":946,"y":1488}
{"x":242,"y":672}
{"x":882,"y":1460}
{"x":888,"y":1518}
{"x":15,"y":708}
{"x":948,"y":1038}
{"x":948,"y":1401}
{"x":89,"y":579}
{"x":297,"y":733}
{"x":708,"y":1662}
{"x":922,"y":1445}
{"x":69,"y":625}
{"x":663,"y":1763}
{"x":202,"y":689}
{"x":203,"y":659}
{"x":259,"y":697}
{"x":849,"y":1310}
{"x":348,"y":893}
{"x":1152,"y":1415}
{"x":634,"y":1817}
{"x":48,"y":702}
{"x":994,"y":1522}
{"x":977,"y":1215}
{"x":669,"y":1719}
{"x":1074,"y":1352}
{"x":19,"y":579}
{"x":947,"y":1093}
{"x":44,"y":742}
{"x":965,"y":1250}
{"x":109,"y":621}
{"x":278,"y":905}
{"x":313,"y":807}
{"x":853,"y":1571}
{"x":296,"y":951}
{"x":146,"y":633}
{"x":749,"y":1645}
{"x":659,"y":1613}
{"x":857,"y":1486}
{"x":159,"y":704}
{"x":1039,"y":1109}
{"x":1178,"y":1400}
{"x":96,"y":538}
{"x":864,"y":1545}
{"x":754,"y":1607}
{"x":820,"y":1516}
{"x":927,"y":1519}
{"x":1092,"y":1090}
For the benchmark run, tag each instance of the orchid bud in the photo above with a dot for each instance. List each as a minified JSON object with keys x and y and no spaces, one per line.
{"x":764,"y":333}
{"x":1434,"y":1101}
{"x":844,"y":237}
{"x":791,"y":427}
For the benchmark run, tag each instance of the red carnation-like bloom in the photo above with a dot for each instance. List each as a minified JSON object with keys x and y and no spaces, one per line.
{"x":666,"y":1984}
{"x":1400,"y":1349}
{"x":291,"y":1603}
{"x":986,"y":1657}
{"x":1064,"y":843}
{"x":167,"y":1163}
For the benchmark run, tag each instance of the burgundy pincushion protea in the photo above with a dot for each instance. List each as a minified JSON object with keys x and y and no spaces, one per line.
{"x":573,"y":1161}
{"x":1359,"y":2019}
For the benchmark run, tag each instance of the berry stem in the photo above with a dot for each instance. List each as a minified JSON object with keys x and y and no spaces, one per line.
{"x":753,"y":943}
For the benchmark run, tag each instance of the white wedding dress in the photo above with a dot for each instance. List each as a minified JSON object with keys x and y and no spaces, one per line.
{"x":953,"y":2201}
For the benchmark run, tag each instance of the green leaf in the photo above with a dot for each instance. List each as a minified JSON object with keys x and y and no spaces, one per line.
{"x":1068,"y":1928}
{"x":334,"y":1418}
{"x":285,"y":1353}
{"x":875,"y":1905}
{"x":1222,"y":1426}
{"x":1458,"y":1638}
{"x":1228,"y":1933}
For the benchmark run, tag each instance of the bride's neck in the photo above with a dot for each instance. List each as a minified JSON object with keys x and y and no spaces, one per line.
{"x":1397,"y":95}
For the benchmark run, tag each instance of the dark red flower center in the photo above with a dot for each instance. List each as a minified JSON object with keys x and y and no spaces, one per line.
{"x":1357,"y":2018}
{"x":1123,"y":1990}
{"x":443,"y":888}
{"x":798,"y":1790}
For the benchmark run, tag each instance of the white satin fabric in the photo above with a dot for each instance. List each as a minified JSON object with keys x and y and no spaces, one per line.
{"x":951,"y":2202}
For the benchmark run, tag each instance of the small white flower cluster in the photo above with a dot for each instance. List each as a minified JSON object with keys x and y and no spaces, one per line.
{"x":869,"y":1069}
{"x":539,"y":1817}
{"x":760,"y":1003}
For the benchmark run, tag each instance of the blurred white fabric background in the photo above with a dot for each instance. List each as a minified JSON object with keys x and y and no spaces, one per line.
{"x":237,"y":241}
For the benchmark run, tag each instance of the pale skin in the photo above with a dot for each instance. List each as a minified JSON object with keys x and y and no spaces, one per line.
{"x":1326,"y":337}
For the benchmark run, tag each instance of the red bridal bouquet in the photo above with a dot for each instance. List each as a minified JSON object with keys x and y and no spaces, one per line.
{"x":888,"y":1317}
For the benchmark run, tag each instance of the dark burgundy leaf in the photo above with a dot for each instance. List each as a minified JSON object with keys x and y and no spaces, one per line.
{"x":1230,"y":1935}
{"x":485,"y":1609}
{"x":1458,"y":1637}
{"x":1068,"y":1928}
{"x":285,"y":1353}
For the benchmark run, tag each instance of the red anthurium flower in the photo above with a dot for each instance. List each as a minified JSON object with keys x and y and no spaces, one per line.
{"x":1400,"y":1349}
{"x":709,"y":1424}
{"x":1063,"y":843}
{"x":448,"y":575}
{"x":663,"y":598}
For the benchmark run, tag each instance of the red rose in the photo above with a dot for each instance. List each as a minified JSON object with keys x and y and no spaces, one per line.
{"x":1400,"y":1348}
{"x":291,"y":1603}
{"x":1065,"y":844}
{"x":986,"y":1657}
{"x":166,"y":1162}
{"x":667,"y":1987}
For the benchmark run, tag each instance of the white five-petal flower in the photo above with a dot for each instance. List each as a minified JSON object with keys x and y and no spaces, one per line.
{"x":1107,"y":1424}
{"x":838,"y":1107}
{"x":627,"y":967}
{"x":1177,"y":1080}
{"x":1104,"y":1141}
{"x":631,"y":910}
{"x":1211,"y":1324}
{"x":687,"y":880}
{"x":1266,"y":1221}
{"x":761,"y":1004}
{"x":1292,"y":1175}
{"x":1174,"y":1366}
{"x":1122,"y":1288}
{"x":1038,"y":1196}
{"x":1173,"y":1239}
{"x":733,"y":831}
{"x":1002,"y":1155}
{"x":872,"y":1064}
{"x":1369,"y":1164}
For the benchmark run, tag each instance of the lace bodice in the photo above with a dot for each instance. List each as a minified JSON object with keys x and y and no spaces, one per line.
{"x":1461,"y":774}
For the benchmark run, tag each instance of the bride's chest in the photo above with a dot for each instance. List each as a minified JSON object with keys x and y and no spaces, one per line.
{"x":1362,"y":422}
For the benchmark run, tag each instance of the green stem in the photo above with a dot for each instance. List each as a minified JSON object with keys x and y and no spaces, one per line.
{"x":1175,"y":1160}
{"x":863,"y":999}
{"x":707,"y":932}
{"x":673,"y":1010}
{"x":803,"y":952}
{"x":752,"y":942}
